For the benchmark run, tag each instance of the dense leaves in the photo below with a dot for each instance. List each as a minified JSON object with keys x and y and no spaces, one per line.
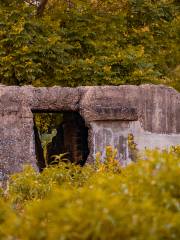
{"x":90,"y":43}
{"x":101,"y":201}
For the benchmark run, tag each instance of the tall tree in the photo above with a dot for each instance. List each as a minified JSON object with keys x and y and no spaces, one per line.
{"x":93,"y":43}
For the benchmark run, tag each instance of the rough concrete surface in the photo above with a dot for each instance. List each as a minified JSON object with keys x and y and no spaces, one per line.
{"x":151,"y":113}
{"x":107,"y":133}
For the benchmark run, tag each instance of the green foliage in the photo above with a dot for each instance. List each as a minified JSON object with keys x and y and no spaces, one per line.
{"x":176,"y":150}
{"x":47,"y":122}
{"x":132,"y":146}
{"x":141,"y":201}
{"x":109,"y":163}
{"x":90,"y":43}
{"x":60,"y":158}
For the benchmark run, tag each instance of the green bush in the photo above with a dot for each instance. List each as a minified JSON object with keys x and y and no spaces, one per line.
{"x":101,"y":201}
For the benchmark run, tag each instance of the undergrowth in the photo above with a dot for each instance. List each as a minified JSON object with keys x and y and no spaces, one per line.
{"x":100,"y":201}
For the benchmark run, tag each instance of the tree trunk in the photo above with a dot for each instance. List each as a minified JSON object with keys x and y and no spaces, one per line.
{"x":41,"y":7}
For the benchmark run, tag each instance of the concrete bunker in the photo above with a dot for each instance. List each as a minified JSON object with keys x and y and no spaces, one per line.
{"x":108,"y":114}
{"x":65,"y":133}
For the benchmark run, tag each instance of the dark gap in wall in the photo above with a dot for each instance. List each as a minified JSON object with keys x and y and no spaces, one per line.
{"x":58,"y":133}
{"x":39,"y":150}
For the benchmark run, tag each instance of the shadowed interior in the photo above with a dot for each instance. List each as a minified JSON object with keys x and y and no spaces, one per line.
{"x":67,"y":135}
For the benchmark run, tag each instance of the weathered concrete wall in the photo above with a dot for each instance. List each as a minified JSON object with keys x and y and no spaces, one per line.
{"x":115,"y":133}
{"x":152,"y":111}
{"x":157,"y":107}
{"x":17,"y":144}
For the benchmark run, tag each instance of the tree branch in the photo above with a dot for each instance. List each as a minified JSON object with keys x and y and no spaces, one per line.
{"x":31,"y":2}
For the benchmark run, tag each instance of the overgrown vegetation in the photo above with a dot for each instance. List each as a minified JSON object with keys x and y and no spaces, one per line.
{"x":90,"y":42}
{"x":101,"y":201}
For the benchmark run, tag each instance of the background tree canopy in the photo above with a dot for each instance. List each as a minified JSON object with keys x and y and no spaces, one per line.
{"x":90,"y":42}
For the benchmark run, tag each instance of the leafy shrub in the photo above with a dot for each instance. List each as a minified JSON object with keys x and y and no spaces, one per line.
{"x":141,"y":201}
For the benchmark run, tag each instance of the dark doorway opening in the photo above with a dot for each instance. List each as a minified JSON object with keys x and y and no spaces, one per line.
{"x":60,"y":133}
